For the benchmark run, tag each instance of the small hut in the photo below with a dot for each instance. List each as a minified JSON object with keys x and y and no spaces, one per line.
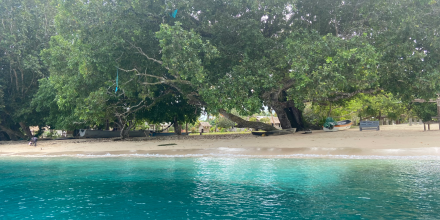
{"x":275,"y":122}
{"x":204,"y":127}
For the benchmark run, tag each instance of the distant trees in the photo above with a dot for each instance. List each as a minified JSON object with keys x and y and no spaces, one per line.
{"x":364,"y":107}
{"x":225,"y":123}
{"x":426,"y":111}
{"x":265,"y":120}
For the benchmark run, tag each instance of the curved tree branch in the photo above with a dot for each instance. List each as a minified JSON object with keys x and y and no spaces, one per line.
{"x":241,"y":123}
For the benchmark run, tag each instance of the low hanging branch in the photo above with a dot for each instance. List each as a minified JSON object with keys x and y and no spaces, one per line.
{"x":241,"y":123}
{"x":194,"y":98}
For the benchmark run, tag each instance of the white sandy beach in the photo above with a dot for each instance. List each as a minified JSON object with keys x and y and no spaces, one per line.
{"x":397,"y":140}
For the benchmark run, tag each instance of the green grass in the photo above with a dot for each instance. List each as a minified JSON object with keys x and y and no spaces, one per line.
{"x":221,"y":133}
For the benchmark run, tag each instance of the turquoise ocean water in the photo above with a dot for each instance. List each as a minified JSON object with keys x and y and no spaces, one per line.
{"x":218,"y":188}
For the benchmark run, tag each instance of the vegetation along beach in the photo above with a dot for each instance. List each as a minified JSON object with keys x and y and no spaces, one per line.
{"x":206,"y":109}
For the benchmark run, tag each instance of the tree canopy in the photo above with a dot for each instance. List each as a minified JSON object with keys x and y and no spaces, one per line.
{"x":75,"y":64}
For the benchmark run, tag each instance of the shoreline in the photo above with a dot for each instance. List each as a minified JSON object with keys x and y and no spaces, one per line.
{"x":391,"y":142}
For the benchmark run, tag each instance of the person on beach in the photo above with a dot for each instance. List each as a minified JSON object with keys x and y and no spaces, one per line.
{"x":33,"y":141}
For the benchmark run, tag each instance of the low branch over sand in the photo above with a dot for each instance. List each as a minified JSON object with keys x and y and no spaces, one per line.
{"x":401,"y":140}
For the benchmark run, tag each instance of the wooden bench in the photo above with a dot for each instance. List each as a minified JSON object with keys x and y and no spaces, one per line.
{"x":429,"y":124}
{"x":369,"y":125}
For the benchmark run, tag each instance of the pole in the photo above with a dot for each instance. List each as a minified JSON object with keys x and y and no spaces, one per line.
{"x":438,"y":112}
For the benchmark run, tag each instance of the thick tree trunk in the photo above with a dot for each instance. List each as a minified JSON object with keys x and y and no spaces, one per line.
{"x":241,"y":123}
{"x":26,"y":129}
{"x":289,"y":115}
{"x":296,"y":118}
{"x":282,"y":116}
{"x":13,"y":135}
{"x":124,"y":133}
{"x":177,"y":127}
{"x":126,"y":129}
{"x":122,"y":124}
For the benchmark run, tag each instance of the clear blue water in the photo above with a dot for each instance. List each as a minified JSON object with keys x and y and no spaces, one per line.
{"x":218,"y":188}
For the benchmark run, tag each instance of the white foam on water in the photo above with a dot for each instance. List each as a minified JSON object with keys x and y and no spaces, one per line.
{"x":225,"y":155}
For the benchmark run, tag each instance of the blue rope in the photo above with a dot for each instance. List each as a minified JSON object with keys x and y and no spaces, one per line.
{"x":174,"y":14}
{"x":117,"y":79}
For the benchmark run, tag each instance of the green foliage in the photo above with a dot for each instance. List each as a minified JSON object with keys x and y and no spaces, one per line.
{"x":45,"y":103}
{"x":425,"y":111}
{"x":235,"y":54}
{"x":265,"y":120}
{"x":362,"y":106}
{"x":52,"y":134}
{"x":335,"y":66}
{"x":225,"y":123}
{"x":25,"y":30}
{"x":88,"y":51}
{"x":252,"y":119}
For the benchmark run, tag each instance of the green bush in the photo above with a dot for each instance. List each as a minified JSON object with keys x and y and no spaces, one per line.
{"x":425,"y":111}
{"x":52,"y":134}
{"x":253,"y":119}
{"x":225,"y":123}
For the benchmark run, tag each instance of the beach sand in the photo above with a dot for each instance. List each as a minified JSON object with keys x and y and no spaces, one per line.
{"x":390,"y":141}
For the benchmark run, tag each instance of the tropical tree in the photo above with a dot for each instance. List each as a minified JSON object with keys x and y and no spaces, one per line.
{"x":282,"y":53}
{"x":93,"y":64}
{"x":425,"y":111}
{"x":239,"y":54}
{"x":25,"y":30}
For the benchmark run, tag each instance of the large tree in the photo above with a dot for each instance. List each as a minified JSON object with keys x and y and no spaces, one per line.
{"x":25,"y":30}
{"x":239,"y":54}
{"x":282,"y":53}
{"x":97,"y":72}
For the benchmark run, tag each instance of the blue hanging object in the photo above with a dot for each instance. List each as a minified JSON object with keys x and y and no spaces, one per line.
{"x":117,"y":79}
{"x":174,"y":14}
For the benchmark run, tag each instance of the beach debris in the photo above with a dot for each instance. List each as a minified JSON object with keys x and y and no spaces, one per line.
{"x":307,"y":132}
{"x":166,"y":144}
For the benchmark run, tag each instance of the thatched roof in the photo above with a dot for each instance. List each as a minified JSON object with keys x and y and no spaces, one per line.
{"x":205,"y":124}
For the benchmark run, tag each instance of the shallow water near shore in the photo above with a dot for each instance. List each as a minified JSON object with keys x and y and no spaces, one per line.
{"x":218,"y":188}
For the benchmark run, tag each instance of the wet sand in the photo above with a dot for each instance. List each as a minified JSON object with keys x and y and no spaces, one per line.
{"x":399,"y":141}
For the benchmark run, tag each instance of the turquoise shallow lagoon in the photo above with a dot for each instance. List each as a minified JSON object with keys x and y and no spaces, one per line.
{"x":218,"y":188}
